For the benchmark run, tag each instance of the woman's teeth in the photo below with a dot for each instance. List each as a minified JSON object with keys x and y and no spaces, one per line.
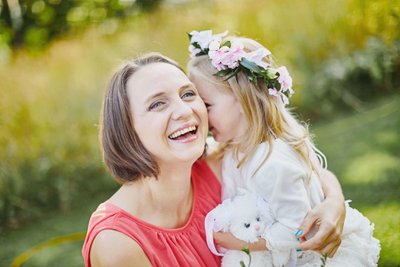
{"x":182,"y":132}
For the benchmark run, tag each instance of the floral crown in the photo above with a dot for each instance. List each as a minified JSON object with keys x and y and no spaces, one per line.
{"x":229,"y":58}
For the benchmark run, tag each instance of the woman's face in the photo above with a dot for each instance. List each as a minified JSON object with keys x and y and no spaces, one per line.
{"x":225,"y":116}
{"x":168,"y":114}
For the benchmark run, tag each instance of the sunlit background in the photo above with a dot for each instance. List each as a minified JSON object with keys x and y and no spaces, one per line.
{"x":56,"y":57}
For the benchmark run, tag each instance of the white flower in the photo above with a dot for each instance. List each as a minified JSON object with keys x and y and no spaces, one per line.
{"x":257,"y":57}
{"x":204,"y":38}
{"x":284,"y":98}
{"x":214,"y":45}
{"x":271,"y":73}
{"x":193,"y":51}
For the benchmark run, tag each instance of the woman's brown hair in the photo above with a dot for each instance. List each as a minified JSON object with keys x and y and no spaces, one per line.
{"x":123,"y":152}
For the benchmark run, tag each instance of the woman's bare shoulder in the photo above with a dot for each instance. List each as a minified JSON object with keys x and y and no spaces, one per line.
{"x":112,"y":248}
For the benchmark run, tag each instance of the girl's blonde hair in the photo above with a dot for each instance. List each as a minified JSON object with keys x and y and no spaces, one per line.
{"x":266,"y":115}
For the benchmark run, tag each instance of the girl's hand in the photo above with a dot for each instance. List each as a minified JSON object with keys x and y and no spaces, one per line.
{"x":327,"y":219}
{"x":229,"y":241}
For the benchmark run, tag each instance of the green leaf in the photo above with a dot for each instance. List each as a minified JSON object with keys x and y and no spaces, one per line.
{"x":232,"y":74}
{"x":323,"y":259}
{"x":196,"y":45}
{"x":246,"y":249}
{"x":223,"y":73}
{"x":227,"y":43}
{"x":250,"y":65}
{"x":242,"y":264}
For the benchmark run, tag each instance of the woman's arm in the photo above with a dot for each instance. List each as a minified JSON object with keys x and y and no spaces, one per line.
{"x":112,"y":248}
{"x":327,"y":217}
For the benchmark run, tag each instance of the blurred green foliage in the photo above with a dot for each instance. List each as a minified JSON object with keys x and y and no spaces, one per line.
{"x":50,"y":101}
{"x":343,"y":82}
{"x":34,"y":23}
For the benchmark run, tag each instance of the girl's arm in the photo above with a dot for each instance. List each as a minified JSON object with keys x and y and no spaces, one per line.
{"x":229,"y":241}
{"x":327,"y":218}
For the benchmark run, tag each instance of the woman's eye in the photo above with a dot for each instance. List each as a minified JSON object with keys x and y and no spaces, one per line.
{"x":207,"y":105}
{"x":155,"y":105}
{"x":189,"y":93}
{"x":247,"y":225}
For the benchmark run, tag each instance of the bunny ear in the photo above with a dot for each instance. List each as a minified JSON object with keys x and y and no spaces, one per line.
{"x":209,"y":227}
{"x":217,"y":220}
{"x":223,"y":215}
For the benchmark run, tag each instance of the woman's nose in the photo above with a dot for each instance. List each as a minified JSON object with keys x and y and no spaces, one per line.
{"x":181,"y":110}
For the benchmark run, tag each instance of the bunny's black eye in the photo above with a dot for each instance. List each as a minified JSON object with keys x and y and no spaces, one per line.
{"x":258,"y":219}
{"x":247,"y":225}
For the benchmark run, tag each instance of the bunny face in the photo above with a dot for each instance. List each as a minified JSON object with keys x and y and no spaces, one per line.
{"x":247,"y":222}
{"x":246,"y":216}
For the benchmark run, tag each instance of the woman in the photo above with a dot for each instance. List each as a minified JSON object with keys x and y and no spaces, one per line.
{"x":153,"y":131}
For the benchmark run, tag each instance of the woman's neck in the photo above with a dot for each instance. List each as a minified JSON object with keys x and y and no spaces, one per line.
{"x":171,"y":189}
{"x":165,"y":201}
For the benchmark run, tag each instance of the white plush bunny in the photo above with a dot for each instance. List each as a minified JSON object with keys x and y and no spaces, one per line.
{"x":246,"y":216}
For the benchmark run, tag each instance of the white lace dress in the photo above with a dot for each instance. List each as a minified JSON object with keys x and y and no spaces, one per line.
{"x":291,"y":190}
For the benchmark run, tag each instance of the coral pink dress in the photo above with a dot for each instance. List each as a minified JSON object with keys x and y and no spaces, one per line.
{"x":185,"y":246}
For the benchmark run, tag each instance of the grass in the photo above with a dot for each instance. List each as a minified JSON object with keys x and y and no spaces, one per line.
{"x":56,"y":225}
{"x":362,"y":150}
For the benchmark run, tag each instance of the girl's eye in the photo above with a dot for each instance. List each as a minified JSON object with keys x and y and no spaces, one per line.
{"x":155,"y":105}
{"x":247,"y":225}
{"x":189,"y":94}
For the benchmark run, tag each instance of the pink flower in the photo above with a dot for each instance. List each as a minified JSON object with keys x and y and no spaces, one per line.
{"x":225,"y":57}
{"x":279,"y":95}
{"x":257,"y":57}
{"x":234,"y":55}
{"x":273,"y":92}
{"x":217,"y":57}
{"x":284,"y":79}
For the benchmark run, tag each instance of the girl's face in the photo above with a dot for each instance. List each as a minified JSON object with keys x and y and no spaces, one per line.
{"x":168,"y":114}
{"x":225,"y":116}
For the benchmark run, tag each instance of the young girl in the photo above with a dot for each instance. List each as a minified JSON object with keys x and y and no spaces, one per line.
{"x":264,"y":148}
